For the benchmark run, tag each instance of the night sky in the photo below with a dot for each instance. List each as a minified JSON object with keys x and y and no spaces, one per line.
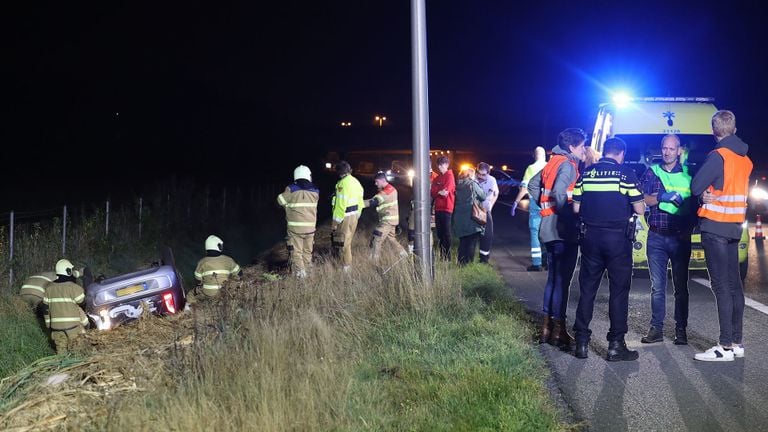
{"x":241,"y":92}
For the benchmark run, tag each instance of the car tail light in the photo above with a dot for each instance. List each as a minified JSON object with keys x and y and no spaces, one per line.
{"x":170,"y":305}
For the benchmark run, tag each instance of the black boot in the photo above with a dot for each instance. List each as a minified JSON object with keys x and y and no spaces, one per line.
{"x":617,"y":351}
{"x":546,"y":330}
{"x":654,"y":335}
{"x":582,"y":350}
{"x":681,"y":338}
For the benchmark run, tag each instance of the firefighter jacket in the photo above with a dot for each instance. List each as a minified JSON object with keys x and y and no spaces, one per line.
{"x":213,"y":270}
{"x":348,"y":200}
{"x":300,"y":203}
{"x":385,"y":203}
{"x":63,"y":300}
{"x":33,"y":288}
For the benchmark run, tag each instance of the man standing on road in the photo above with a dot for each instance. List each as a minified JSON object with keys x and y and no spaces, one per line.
{"x":491,"y":189}
{"x":605,"y":196}
{"x":667,"y":192}
{"x":347,"y":205}
{"x":300,"y":202}
{"x":385,"y":203}
{"x":534,"y":218}
{"x":553,"y":188}
{"x":443,"y":191}
{"x":723,"y":182}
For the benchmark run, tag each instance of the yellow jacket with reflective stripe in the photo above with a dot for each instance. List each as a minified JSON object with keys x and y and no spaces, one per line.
{"x":63,"y":300}
{"x":213,"y":271}
{"x":34,"y":286}
{"x":300,"y":208}
{"x":386,"y":205}
{"x":348,"y":200}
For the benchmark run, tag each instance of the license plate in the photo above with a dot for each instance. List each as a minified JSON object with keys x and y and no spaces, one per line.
{"x":697,"y":254}
{"x":133,"y":289}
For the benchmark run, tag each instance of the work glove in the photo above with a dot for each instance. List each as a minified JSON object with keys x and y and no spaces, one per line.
{"x":671,"y":197}
{"x":514,"y":207}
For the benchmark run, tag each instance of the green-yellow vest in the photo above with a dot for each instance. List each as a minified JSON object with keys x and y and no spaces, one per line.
{"x":679,"y":182}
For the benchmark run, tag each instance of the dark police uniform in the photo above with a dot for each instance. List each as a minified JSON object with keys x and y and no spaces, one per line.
{"x":606,"y":192}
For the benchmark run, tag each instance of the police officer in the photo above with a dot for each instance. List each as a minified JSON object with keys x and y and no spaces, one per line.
{"x":347,"y":204}
{"x":300,"y":202}
{"x":606,"y":196}
{"x":215,"y":267}
{"x":385,"y":203}
{"x":61,"y":307}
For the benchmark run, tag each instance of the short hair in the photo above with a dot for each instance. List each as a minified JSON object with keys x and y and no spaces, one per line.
{"x":342,"y":167}
{"x":614,"y":146}
{"x":482,"y":166}
{"x":571,"y":137}
{"x":467,"y":173}
{"x":381,"y":175}
{"x":443,"y":160}
{"x":673,"y":137}
{"x":723,"y":124}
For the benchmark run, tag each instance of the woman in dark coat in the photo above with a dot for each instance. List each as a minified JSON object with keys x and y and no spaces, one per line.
{"x":468,"y":231}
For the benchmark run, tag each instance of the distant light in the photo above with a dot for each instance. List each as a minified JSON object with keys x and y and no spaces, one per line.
{"x":448,"y":151}
{"x":503,"y":167}
{"x":464,"y":166}
{"x":411,"y":173}
{"x":378,"y":118}
{"x":759,"y":194}
{"x":621,"y":99}
{"x":383,"y":118}
{"x":328,"y":165}
{"x":491,"y":166}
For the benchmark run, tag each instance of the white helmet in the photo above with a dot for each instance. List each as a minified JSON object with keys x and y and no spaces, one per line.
{"x":302,"y":172}
{"x":214,"y":243}
{"x":65,"y":268}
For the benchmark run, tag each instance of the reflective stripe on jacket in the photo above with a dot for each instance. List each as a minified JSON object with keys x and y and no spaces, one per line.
{"x":731,"y":202}
{"x":348,"y":200}
{"x":63,"y":300}
{"x":35,"y":285}
{"x":300,"y":209}
{"x":386,"y":205}
{"x":548,"y":177}
{"x":213,"y":271}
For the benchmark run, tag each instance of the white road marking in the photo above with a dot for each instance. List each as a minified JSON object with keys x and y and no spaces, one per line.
{"x":756,"y":305}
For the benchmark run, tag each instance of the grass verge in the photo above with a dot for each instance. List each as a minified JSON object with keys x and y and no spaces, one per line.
{"x":23,"y":340}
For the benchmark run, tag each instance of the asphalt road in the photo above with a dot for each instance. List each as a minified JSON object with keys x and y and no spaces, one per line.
{"x":666,"y":389}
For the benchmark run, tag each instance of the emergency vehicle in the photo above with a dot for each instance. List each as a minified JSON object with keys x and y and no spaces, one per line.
{"x":642,"y":123}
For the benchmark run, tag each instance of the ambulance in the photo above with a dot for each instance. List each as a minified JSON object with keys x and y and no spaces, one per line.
{"x":642,"y":123}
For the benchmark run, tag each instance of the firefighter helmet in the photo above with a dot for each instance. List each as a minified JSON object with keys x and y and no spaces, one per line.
{"x":214,"y":243}
{"x":302,"y":172}
{"x":64,"y":268}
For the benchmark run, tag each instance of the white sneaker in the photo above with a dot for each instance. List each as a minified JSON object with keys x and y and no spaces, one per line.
{"x":738,"y":350}
{"x":716,"y":353}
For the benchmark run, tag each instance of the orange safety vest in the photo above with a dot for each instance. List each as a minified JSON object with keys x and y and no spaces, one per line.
{"x":731,"y":202}
{"x":548,"y":175}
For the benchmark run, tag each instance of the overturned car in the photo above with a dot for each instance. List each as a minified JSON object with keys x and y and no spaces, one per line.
{"x":110,"y":302}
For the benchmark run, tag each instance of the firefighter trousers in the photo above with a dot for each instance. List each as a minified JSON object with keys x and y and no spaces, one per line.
{"x":62,"y":339}
{"x":300,"y":251}
{"x":384,"y":233}
{"x":343,"y":237}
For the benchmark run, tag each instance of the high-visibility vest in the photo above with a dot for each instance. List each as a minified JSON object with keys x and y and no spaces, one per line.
{"x":731,"y":202}
{"x":63,"y":300}
{"x":300,"y":209}
{"x":679,"y":182}
{"x":348,"y":200}
{"x":213,"y":271}
{"x":548,"y":176}
{"x":386,"y":205}
{"x":33,"y":288}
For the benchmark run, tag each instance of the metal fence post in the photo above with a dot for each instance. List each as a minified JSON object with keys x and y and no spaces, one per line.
{"x":64,"y":232}
{"x":10,"y":262}
{"x":141,"y":203}
{"x":106,"y":225}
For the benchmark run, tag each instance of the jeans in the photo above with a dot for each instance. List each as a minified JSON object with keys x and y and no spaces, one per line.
{"x":467,"y":247}
{"x":486,"y":240}
{"x":534,"y":221}
{"x":561,"y":259}
{"x":662,"y":249}
{"x":722,"y":255}
{"x":443,"y":228}
{"x":604,"y":249}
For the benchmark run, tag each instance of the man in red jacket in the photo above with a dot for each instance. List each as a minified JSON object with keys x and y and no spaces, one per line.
{"x":443,"y":193}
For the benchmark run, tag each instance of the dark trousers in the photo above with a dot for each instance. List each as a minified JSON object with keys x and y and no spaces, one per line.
{"x":561,"y":262}
{"x":467,"y":247}
{"x":604,"y":249}
{"x":443,"y":228}
{"x":722,"y":255}
{"x":486,"y":241}
{"x":661,"y":250}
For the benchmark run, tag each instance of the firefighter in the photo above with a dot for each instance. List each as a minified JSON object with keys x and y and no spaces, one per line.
{"x":215,"y":267}
{"x":61,"y":307}
{"x":300,"y":202}
{"x":33,"y":288}
{"x":385,"y":203}
{"x":347,"y":205}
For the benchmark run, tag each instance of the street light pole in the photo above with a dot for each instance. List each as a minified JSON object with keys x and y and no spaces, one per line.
{"x":421,"y":160}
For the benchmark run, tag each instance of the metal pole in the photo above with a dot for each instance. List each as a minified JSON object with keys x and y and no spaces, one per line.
{"x":421,"y":159}
{"x":106,"y":225}
{"x":64,"y":232}
{"x":141,"y":204}
{"x":10,"y":262}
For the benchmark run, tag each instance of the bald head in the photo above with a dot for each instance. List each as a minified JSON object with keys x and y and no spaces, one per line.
{"x":539,"y":153}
